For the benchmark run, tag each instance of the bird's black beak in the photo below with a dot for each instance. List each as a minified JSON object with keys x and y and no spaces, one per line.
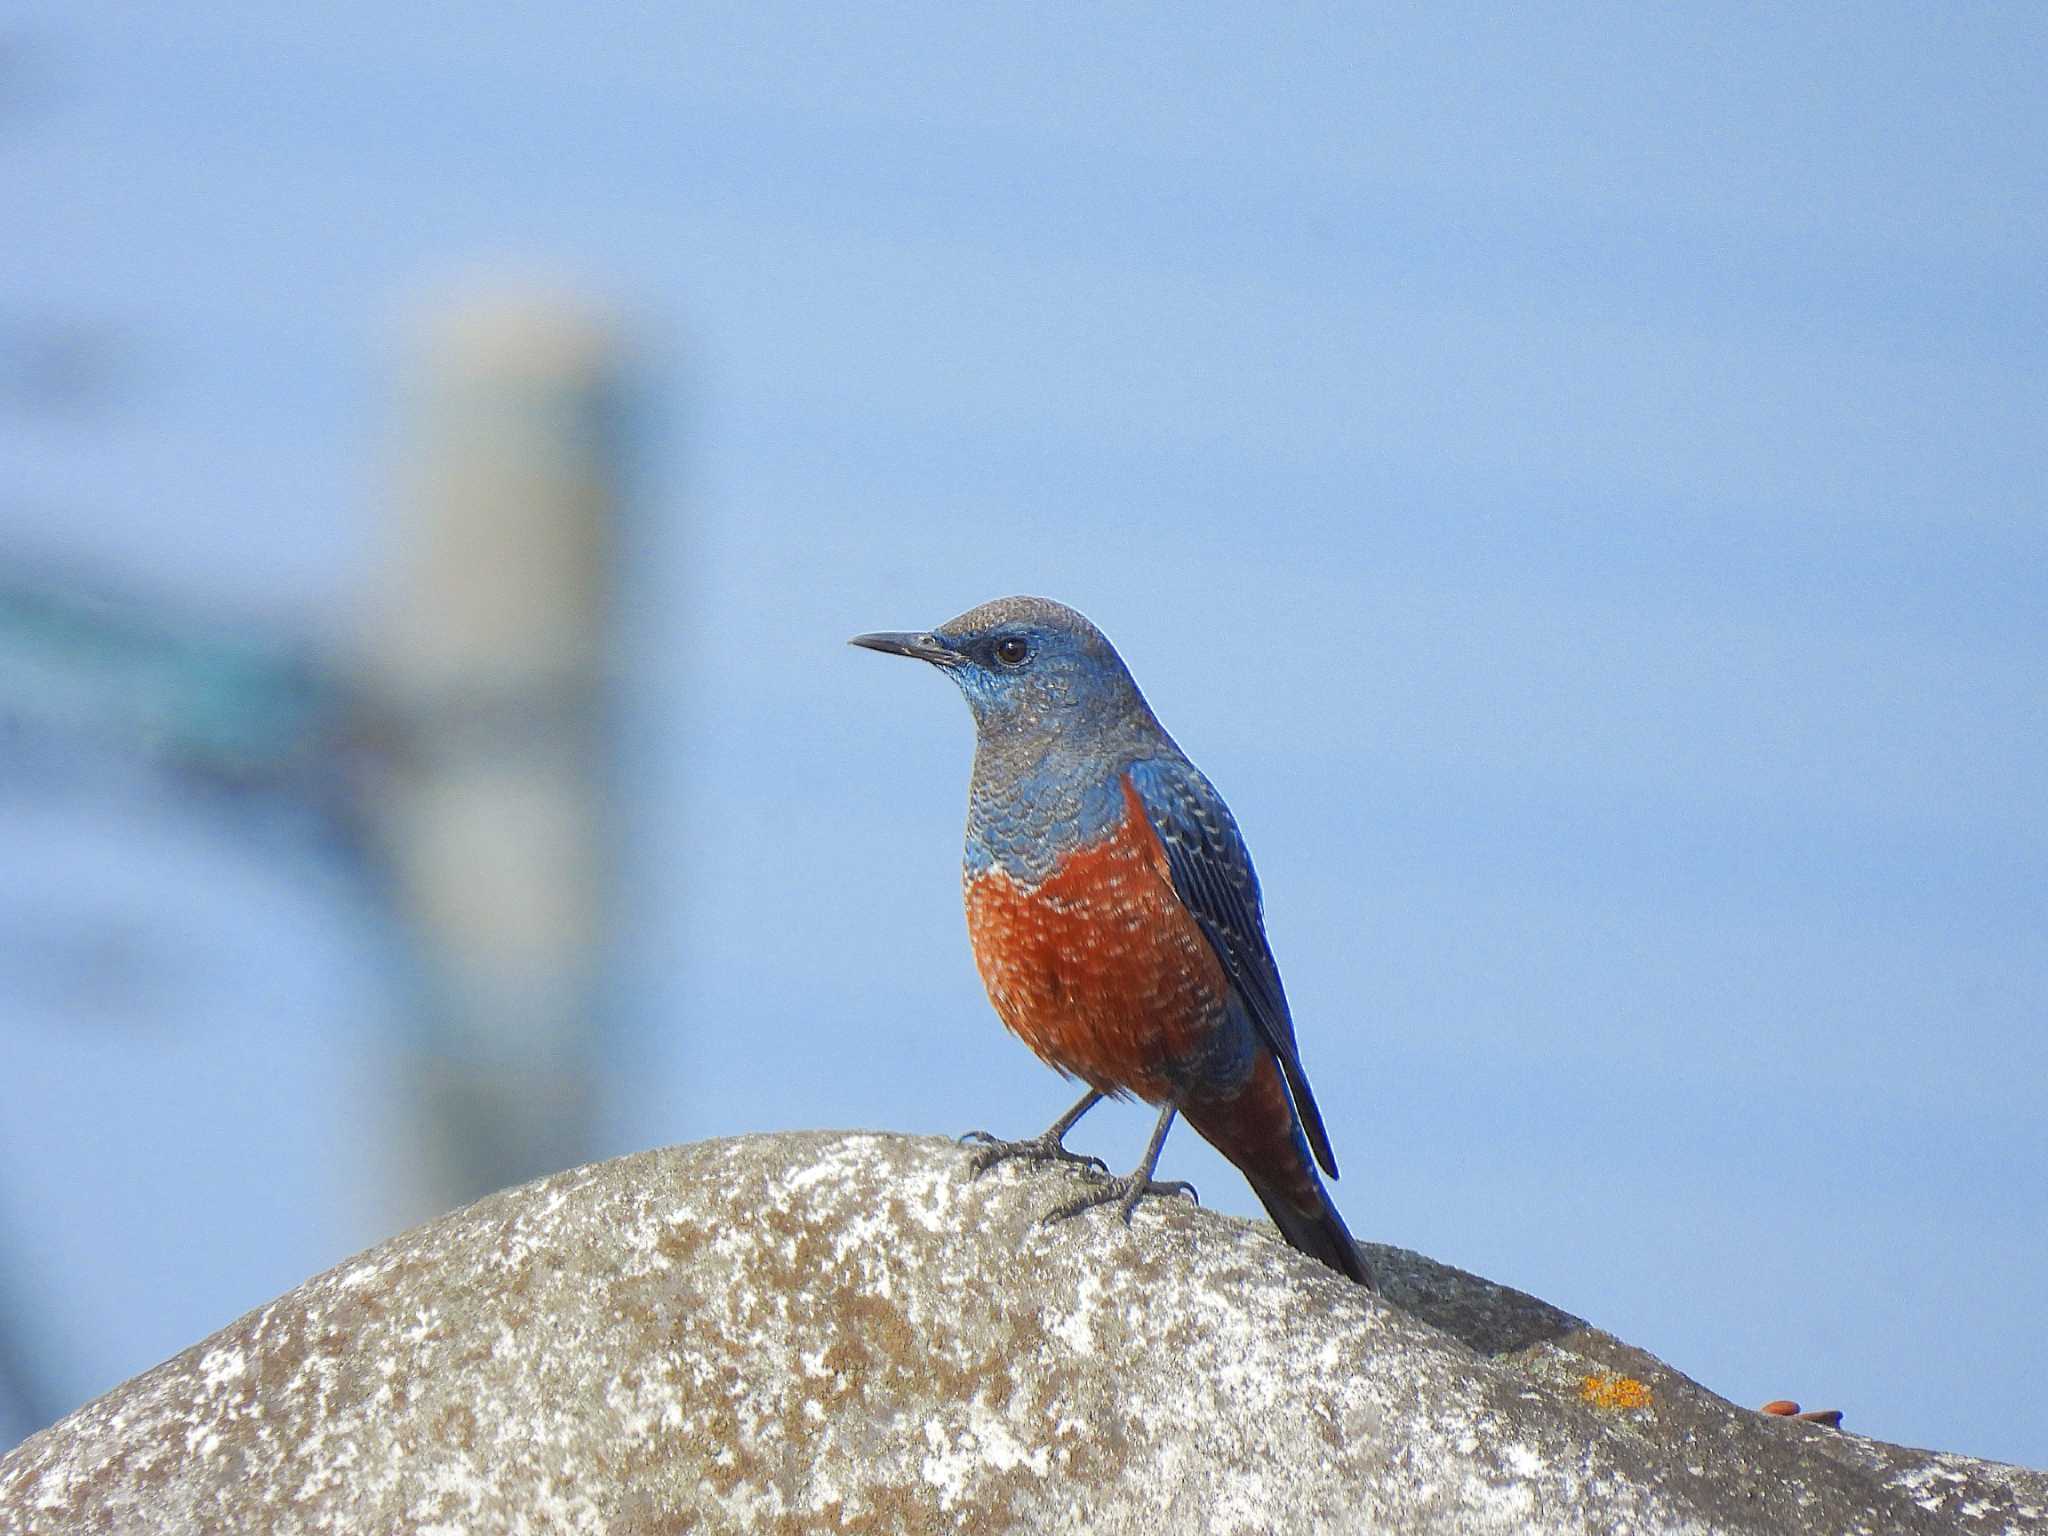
{"x":925,"y":647}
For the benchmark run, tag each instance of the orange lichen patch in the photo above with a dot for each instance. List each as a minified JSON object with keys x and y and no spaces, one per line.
{"x":1614,"y":1392}
{"x":1098,"y":967}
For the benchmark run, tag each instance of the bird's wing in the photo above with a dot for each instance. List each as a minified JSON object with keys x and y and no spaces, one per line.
{"x":1212,"y":875}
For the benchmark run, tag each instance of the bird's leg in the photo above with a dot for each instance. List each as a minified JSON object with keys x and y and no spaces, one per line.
{"x":1127,"y":1192}
{"x":1047,"y":1148}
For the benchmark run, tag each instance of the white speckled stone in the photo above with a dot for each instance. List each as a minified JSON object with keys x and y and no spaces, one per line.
{"x":831,"y":1332}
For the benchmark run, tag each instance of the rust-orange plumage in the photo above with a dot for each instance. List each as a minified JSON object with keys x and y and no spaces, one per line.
{"x":1099,"y":968}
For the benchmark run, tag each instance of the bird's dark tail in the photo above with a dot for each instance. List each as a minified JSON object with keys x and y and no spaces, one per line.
{"x":1321,"y":1235}
{"x":1257,"y":1130}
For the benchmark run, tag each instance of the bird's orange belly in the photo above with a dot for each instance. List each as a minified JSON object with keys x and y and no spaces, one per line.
{"x":1099,"y":968}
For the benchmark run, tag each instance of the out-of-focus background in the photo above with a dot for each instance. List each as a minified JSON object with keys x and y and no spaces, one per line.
{"x":1573,"y":477}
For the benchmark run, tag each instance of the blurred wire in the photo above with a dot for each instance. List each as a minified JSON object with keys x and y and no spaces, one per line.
{"x":85,"y":675}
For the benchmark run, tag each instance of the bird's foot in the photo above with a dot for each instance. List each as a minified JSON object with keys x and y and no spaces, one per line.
{"x":1047,"y":1148}
{"x":1126,"y":1191}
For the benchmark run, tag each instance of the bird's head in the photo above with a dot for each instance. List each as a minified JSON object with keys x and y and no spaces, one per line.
{"x":1028,"y":666}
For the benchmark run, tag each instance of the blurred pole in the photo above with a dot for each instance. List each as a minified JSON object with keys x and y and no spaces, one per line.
{"x":489,"y":665}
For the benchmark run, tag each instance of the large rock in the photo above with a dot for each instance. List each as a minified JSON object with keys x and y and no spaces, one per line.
{"x":847,"y":1332}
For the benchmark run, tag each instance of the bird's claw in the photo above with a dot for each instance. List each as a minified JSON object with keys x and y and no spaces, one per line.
{"x":1127,"y":1192}
{"x":1038,"y":1149}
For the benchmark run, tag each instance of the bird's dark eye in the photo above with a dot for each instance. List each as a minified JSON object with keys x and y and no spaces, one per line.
{"x":1011,"y":651}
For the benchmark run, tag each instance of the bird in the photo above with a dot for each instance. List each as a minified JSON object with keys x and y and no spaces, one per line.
{"x":1117,"y":922}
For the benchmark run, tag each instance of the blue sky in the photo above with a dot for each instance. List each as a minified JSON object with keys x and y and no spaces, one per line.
{"x":1573,"y":478}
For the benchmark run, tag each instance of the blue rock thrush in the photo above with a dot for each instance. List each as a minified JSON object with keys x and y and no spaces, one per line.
{"x":1116,"y":919}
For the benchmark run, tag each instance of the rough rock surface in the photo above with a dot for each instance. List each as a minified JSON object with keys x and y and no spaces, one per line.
{"x":846,"y":1332}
